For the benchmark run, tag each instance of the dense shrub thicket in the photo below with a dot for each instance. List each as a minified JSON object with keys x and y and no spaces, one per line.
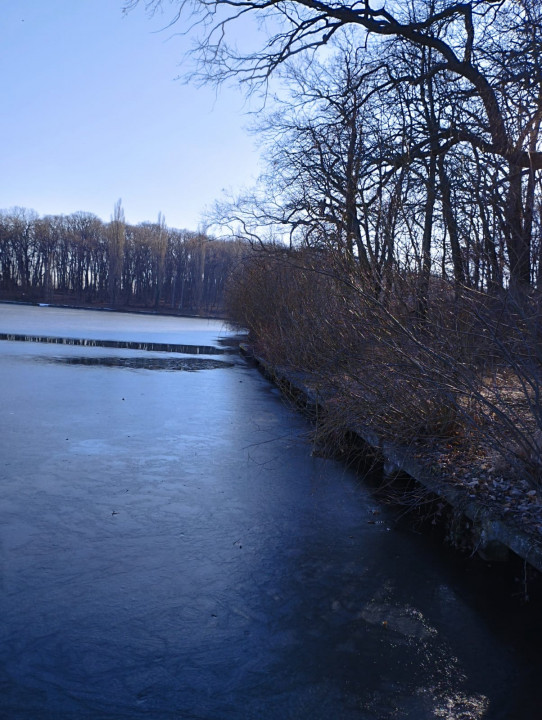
{"x":467,"y":374}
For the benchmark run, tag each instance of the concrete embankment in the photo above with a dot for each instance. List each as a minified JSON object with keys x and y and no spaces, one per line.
{"x":491,"y":534}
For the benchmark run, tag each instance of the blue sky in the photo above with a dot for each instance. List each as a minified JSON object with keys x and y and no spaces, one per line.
{"x":91,"y":112}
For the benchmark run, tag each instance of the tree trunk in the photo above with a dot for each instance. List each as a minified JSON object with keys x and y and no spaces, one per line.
{"x":518,"y":235}
{"x":423,"y":288}
{"x":451,"y":223}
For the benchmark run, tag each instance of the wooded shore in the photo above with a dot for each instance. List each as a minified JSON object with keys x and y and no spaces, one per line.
{"x":450,"y":398}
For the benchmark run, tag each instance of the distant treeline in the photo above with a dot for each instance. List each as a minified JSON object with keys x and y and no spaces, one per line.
{"x":79,"y":259}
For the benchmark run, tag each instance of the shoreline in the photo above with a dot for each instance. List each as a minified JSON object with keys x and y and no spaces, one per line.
{"x":485,"y":524}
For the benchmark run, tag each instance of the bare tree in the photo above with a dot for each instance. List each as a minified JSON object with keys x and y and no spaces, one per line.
{"x":80,"y":259}
{"x":116,"y":251}
{"x":488,"y":50}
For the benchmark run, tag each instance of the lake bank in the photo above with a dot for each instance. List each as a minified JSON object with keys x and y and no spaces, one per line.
{"x":489,"y":516}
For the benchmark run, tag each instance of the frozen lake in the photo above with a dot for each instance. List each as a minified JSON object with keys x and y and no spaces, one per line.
{"x":169,"y":548}
{"x":105,"y":325}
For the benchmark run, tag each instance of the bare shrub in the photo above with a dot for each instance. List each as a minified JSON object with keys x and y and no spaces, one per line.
{"x":469,"y":372}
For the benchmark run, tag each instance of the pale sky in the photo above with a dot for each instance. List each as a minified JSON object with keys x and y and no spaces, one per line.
{"x":91,"y":112}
